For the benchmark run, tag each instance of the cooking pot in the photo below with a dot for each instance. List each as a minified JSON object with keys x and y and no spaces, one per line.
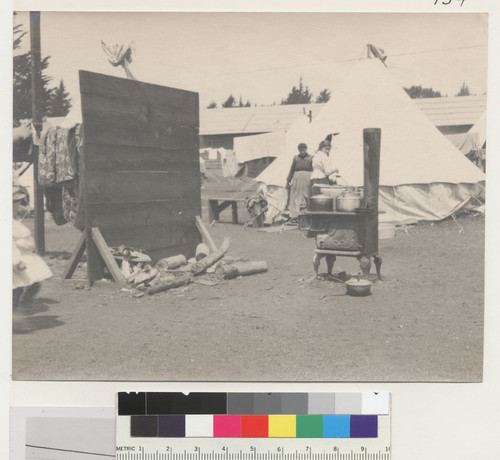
{"x":333,"y":191}
{"x":357,"y":287}
{"x":348,"y":203}
{"x":320,"y":203}
{"x":352,"y":194}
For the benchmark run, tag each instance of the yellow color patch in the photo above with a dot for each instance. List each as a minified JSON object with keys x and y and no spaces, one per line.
{"x":282,"y":426}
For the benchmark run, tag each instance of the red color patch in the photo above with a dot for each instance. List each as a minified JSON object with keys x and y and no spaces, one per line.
{"x":254,"y":426}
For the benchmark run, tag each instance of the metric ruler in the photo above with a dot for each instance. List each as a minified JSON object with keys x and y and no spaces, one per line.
{"x":256,"y":449}
{"x":168,"y":430}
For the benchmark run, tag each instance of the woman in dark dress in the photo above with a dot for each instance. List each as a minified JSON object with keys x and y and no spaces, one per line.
{"x":298,"y":180}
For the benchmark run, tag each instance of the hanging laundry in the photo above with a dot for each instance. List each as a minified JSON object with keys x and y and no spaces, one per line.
{"x":64,"y":168}
{"x":71,"y":194}
{"x":70,"y":204}
{"x":54,"y":162}
{"x":47,"y":157}
{"x":53,"y":203}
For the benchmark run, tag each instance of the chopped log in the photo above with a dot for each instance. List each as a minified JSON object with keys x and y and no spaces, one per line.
{"x":251,"y":267}
{"x":139,"y":257}
{"x":170,"y":284}
{"x":230,"y":271}
{"x":135,"y":273}
{"x":145,"y":277}
{"x":204,"y":233}
{"x":171,"y":263}
{"x":201,"y":251}
{"x":226,"y":271}
{"x":205,"y":282}
{"x":126,"y":269}
{"x":199,"y":267}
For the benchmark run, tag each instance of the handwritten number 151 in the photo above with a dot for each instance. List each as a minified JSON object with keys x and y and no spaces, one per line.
{"x":447,"y":2}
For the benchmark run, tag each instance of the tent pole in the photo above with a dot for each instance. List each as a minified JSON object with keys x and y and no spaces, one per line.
{"x":37,"y":116}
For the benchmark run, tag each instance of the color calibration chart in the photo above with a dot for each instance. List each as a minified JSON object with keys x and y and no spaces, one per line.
{"x":253,"y":426}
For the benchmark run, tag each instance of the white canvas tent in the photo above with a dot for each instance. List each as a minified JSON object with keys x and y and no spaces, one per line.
{"x":250,"y":148}
{"x":478,"y":133}
{"x":422,"y":175}
{"x":473,"y":139}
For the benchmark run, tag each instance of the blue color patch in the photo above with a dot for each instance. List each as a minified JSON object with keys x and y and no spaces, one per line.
{"x":336,"y":426}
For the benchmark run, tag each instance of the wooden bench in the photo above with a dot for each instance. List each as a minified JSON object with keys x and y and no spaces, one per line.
{"x":217,"y":204}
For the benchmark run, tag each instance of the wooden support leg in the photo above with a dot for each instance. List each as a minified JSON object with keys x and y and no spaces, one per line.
{"x":234,"y":206}
{"x":330,"y":260}
{"x":213,"y":210}
{"x":365,"y":264}
{"x":75,"y":258}
{"x":205,"y":234}
{"x":107,"y":257}
{"x":316,"y":262}
{"x":95,"y":264}
{"x":378,"y":263}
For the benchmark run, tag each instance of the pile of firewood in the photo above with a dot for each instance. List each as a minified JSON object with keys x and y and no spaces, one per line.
{"x":176,"y":271}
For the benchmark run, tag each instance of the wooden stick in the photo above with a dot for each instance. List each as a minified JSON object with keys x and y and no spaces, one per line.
{"x":144,"y":277}
{"x":204,"y":233}
{"x":202,"y":251}
{"x":170,"y":284}
{"x":95,"y":263}
{"x":37,"y":116}
{"x":75,"y":258}
{"x":199,"y":267}
{"x":106,"y":255}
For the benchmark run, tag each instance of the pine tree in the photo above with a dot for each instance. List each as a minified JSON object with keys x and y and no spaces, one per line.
{"x":324,"y":96}
{"x":59,"y":103}
{"x":464,"y":90}
{"x":22,"y":80}
{"x":416,"y":92}
{"x":300,"y":95}
{"x":229,"y":102}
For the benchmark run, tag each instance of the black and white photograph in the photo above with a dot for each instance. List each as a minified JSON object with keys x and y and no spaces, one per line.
{"x":249,"y":196}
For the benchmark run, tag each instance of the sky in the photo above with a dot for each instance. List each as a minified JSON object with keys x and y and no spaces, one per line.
{"x":260,"y":56}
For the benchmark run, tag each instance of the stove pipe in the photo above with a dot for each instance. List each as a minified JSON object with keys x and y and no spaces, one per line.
{"x":371,"y":147}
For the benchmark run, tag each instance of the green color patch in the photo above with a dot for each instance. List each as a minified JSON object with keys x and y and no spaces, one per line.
{"x":309,"y":426}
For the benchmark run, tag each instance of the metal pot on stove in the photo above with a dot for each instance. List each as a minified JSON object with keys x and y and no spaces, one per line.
{"x":320,"y":203}
{"x":349,"y":201}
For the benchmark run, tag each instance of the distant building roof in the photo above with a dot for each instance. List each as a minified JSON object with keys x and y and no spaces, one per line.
{"x":247,"y":120}
{"x":441,"y":111}
{"x":453,"y":111}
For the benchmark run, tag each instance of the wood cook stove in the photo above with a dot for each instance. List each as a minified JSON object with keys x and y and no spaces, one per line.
{"x":364,"y":221}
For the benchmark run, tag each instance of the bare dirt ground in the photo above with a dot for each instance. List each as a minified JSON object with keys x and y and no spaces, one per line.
{"x":423,"y":321}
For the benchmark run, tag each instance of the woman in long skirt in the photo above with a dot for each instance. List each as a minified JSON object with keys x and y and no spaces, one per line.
{"x":299,"y":180}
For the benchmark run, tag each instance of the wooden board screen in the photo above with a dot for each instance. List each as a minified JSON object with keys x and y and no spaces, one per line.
{"x":140,"y":164}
